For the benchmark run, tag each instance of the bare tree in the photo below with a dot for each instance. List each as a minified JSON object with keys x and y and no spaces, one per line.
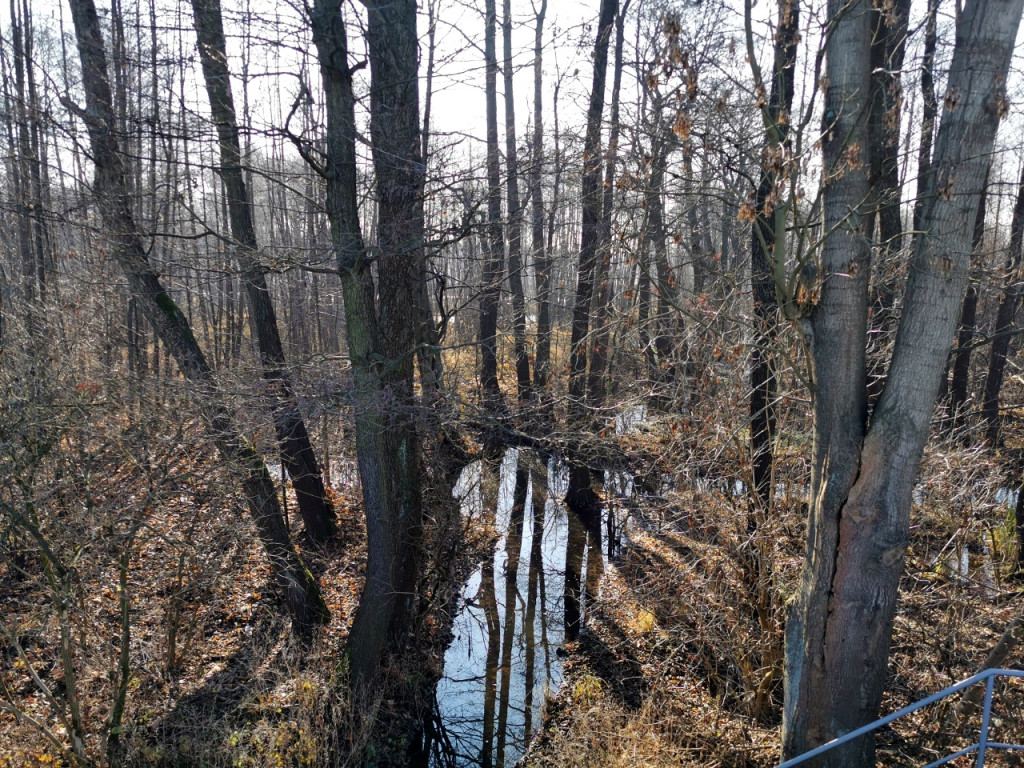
{"x":292,"y":437}
{"x":514,"y":226}
{"x":294,"y":581}
{"x":1003,"y":334}
{"x":381,"y":334}
{"x":590,"y":240}
{"x":763,"y":256}
{"x":839,"y":630}
{"x":495,"y":257}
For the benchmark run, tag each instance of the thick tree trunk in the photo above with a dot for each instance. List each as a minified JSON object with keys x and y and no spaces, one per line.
{"x":515,"y":217}
{"x":292,"y":437}
{"x":295,"y":583}
{"x":380,"y":345}
{"x":1002,"y":334}
{"x":763,"y":383}
{"x":395,"y":140}
{"x":840,"y":627}
{"x":837,"y":332}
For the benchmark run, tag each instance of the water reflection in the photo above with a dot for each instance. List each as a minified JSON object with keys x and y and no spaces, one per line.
{"x":518,"y":609}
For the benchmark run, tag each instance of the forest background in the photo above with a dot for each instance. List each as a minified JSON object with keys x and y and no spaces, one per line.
{"x":273,"y":277}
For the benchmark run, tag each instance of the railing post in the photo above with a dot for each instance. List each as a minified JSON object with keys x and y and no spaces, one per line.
{"x":986,"y":715}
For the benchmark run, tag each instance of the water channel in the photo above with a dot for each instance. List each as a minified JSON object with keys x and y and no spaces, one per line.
{"x":517,"y":610}
{"x":524,"y":603}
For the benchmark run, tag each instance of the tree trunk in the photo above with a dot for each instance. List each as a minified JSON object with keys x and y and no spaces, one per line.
{"x":515,"y":218}
{"x":541,"y":258}
{"x":395,"y":140}
{"x":599,"y":353}
{"x":591,"y":198}
{"x":21,"y":184}
{"x":295,"y":583}
{"x":840,"y":626}
{"x":579,"y":478}
{"x":428,"y":355}
{"x":658,"y":234}
{"x":296,"y":449}
{"x":763,"y":382}
{"x":491,"y":291}
{"x":1003,"y":333}
{"x":930,"y":112}
{"x":888,"y":47}
{"x":968,"y":324}
{"x":380,"y":345}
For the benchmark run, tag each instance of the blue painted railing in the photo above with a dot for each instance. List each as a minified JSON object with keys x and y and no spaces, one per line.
{"x":981,"y":746}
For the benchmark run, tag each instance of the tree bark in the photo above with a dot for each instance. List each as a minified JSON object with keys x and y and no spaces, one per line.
{"x":930,"y":112}
{"x":381,"y":337}
{"x":293,"y":580}
{"x":888,"y":48}
{"x":515,"y":217}
{"x":601,"y":311}
{"x":591,"y":199}
{"x":542,"y":249}
{"x":428,"y":355}
{"x":395,"y":140}
{"x":968,"y":324}
{"x":579,"y":479}
{"x":297,"y":452}
{"x":495,"y":239}
{"x":840,"y":626}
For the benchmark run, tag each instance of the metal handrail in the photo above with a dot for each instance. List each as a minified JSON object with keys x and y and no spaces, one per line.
{"x":983,"y":744}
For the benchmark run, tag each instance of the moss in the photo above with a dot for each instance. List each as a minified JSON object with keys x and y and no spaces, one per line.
{"x":323,"y":613}
{"x":168,"y":306}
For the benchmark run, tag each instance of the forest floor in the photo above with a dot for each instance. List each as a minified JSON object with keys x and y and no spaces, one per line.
{"x":680,"y":663}
{"x":216,"y":676}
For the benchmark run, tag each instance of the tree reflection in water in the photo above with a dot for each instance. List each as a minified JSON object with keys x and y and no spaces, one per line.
{"x":518,"y":608}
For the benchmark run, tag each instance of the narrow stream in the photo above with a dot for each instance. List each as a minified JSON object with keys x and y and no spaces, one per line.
{"x":522,"y":605}
{"x":517,"y":611}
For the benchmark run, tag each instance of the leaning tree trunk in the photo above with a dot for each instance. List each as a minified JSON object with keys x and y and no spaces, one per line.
{"x":840,"y":626}
{"x":292,"y":437}
{"x":294,"y":581}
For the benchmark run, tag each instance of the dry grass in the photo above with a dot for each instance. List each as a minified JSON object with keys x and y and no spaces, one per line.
{"x":681,"y":663}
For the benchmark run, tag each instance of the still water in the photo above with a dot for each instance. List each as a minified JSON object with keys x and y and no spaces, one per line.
{"x":517,"y":611}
